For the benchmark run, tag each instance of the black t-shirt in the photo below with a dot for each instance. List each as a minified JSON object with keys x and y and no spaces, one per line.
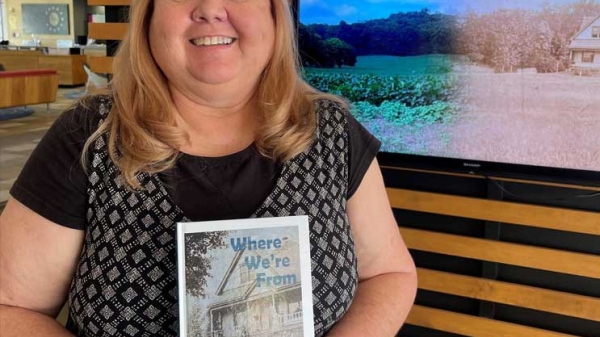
{"x":54,"y":184}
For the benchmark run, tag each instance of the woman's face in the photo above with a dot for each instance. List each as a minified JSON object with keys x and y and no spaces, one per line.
{"x":199,"y":43}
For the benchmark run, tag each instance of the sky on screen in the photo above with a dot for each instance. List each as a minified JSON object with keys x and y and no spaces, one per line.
{"x":352,"y":11}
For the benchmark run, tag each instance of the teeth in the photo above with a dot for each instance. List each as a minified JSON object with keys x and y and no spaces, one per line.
{"x":212,"y":41}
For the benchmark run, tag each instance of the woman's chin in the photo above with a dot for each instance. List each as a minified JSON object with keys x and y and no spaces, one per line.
{"x":214,"y":77}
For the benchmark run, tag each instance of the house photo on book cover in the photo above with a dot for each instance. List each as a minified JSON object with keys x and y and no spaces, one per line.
{"x":245,"y":278}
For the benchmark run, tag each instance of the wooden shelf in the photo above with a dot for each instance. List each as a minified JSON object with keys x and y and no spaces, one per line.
{"x":101,"y":64}
{"x":107,"y":31}
{"x":108,"y":2}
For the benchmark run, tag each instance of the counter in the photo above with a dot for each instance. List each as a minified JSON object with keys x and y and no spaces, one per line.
{"x":69,"y":67}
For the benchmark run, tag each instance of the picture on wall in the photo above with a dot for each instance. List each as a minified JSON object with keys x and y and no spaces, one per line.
{"x":49,"y":19}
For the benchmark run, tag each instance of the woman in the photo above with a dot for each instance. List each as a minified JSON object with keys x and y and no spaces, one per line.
{"x":206,"y":119}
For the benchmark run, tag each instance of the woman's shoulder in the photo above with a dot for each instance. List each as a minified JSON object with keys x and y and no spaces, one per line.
{"x":86,"y":114}
{"x":331,"y":110}
{"x":331,"y":103}
{"x":95,"y":106}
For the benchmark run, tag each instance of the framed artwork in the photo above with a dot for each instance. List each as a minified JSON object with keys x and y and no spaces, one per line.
{"x":49,"y":19}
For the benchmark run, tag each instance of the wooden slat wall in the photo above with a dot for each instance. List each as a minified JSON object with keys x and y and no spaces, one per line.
{"x":111,"y":31}
{"x":101,"y":64}
{"x":513,"y":294}
{"x":586,"y":265}
{"x":560,"y":261}
{"x":519,"y":214}
{"x":108,"y":2}
{"x":107,"y":31}
{"x":472,"y":325}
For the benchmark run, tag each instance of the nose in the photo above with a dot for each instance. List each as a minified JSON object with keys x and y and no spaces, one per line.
{"x":209,"y":11}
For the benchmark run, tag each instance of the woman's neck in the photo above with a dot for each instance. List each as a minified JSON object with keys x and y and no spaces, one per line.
{"x":216,"y":129}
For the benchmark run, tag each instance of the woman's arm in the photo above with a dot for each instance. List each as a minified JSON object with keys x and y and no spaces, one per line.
{"x":387,"y":274}
{"x":37,"y":262}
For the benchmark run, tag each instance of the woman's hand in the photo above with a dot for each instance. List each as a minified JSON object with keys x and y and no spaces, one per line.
{"x":387,"y":274}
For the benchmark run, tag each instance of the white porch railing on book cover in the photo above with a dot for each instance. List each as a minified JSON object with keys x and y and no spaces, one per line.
{"x":291,"y":318}
{"x":296,"y":332}
{"x":285,"y":322}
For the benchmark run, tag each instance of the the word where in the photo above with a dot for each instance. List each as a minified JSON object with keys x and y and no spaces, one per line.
{"x":248,"y":243}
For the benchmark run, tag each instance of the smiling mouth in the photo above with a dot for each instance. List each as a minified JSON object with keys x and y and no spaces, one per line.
{"x":212,"y":41}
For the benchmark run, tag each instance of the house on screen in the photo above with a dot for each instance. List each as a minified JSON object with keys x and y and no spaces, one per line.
{"x":257,"y":301}
{"x":585,"y":47}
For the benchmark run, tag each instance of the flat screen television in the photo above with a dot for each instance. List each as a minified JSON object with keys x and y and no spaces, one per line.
{"x":498,"y":87}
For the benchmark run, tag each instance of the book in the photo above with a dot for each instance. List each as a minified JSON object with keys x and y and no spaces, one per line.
{"x":244,"y":278}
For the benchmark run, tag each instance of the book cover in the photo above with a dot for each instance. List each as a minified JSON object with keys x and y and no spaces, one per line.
{"x":244,"y":278}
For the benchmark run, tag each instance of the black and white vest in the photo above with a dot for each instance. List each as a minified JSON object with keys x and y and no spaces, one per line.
{"x":125,"y":283}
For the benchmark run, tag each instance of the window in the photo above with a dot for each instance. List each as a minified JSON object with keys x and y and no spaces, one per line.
{"x":239,"y":320}
{"x":596,"y":32}
{"x":218,"y":322}
{"x":246,"y":275}
{"x":587,"y":57}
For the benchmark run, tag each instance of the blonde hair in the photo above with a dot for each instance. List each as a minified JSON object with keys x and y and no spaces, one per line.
{"x":142,"y":134}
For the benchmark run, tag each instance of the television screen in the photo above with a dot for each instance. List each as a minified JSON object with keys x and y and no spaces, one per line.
{"x":475,"y":83}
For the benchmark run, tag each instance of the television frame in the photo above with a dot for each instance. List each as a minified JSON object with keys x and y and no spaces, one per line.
{"x":545,"y":174}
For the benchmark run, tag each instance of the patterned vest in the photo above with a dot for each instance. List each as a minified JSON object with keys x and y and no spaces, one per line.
{"x":125,"y":283}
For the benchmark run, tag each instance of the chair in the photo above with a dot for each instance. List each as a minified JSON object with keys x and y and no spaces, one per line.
{"x":95,"y":79}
